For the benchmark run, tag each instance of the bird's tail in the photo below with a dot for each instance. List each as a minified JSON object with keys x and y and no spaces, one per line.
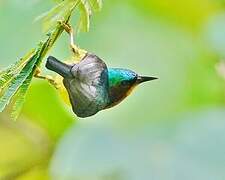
{"x":59,"y":67}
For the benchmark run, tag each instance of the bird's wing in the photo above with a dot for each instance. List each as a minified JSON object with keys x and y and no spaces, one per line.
{"x":88,"y":89}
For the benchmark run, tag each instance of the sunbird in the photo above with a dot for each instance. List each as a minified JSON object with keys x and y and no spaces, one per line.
{"x":92,"y":86}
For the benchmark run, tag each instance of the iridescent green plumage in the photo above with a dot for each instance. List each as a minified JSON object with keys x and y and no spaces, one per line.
{"x":118,"y":75}
{"x":92,"y":86}
{"x":121,"y":81}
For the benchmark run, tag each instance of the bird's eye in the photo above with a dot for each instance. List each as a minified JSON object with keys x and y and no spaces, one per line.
{"x":124,"y":83}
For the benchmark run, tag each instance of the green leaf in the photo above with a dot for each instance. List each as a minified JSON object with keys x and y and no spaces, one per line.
{"x":8,"y":74}
{"x":16,"y":83}
{"x":15,"y":80}
{"x":64,"y":8}
{"x":19,"y":83}
{"x":59,"y":13}
{"x":20,"y":97}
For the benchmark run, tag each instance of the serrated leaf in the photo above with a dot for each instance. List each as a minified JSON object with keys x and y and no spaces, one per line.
{"x":16,"y":83}
{"x":64,"y":8}
{"x":9,"y":73}
{"x":22,"y":61}
{"x":22,"y":79}
{"x":59,"y":13}
{"x":20,"y":97}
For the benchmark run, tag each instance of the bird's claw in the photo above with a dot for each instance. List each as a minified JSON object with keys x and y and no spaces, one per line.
{"x":68,"y":28}
{"x":49,"y":78}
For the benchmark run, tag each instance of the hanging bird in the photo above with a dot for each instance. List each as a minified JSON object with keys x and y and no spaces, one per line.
{"x":92,"y":86}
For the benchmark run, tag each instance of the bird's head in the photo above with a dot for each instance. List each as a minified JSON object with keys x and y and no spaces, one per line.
{"x":122,"y":82}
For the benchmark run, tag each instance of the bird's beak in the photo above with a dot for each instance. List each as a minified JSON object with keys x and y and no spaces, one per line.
{"x":142,"y":79}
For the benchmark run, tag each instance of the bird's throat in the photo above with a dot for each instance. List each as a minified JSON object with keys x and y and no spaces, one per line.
{"x":118,"y":94}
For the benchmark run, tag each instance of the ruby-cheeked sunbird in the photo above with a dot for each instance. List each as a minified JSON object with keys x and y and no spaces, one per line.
{"x":92,"y":86}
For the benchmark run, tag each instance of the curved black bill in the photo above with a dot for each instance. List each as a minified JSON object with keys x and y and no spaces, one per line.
{"x":142,"y":79}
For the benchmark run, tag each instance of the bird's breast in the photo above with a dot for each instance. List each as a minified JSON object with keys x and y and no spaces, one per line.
{"x":118,"y":94}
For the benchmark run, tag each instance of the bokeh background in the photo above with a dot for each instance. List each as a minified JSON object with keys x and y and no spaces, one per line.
{"x":169,"y":129}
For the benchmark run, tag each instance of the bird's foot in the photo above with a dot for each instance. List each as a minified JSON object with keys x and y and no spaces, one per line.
{"x":49,"y":78}
{"x":68,"y":28}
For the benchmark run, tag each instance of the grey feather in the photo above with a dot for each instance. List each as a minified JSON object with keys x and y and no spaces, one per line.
{"x":88,"y":88}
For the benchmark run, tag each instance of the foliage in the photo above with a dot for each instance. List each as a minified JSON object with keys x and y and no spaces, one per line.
{"x":167,"y":129}
{"x":15,"y":80}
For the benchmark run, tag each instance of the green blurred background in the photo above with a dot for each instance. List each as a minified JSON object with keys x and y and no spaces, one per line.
{"x":169,"y":129}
